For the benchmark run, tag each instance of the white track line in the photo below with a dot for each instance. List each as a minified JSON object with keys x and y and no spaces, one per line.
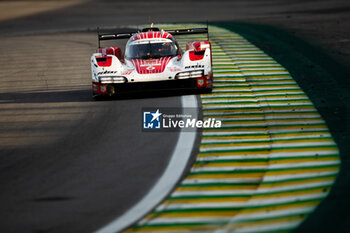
{"x":166,"y":182}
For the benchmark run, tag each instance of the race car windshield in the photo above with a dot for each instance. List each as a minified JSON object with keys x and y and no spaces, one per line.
{"x":150,"y":50}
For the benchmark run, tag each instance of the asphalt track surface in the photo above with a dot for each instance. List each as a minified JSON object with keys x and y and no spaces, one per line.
{"x":59,"y":170}
{"x":44,"y":135}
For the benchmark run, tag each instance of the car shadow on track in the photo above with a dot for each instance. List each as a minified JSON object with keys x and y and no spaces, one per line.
{"x":85,"y":96}
{"x":46,"y":97}
{"x":148,"y":94}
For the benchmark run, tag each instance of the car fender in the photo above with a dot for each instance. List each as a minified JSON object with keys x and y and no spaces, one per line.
{"x":115,"y":67}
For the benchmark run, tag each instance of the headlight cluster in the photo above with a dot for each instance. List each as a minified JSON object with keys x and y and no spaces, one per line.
{"x":113,"y":79}
{"x":190,"y":74}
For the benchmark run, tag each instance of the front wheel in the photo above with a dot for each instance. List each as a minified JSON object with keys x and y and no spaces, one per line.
{"x":207,"y":90}
{"x":96,"y":97}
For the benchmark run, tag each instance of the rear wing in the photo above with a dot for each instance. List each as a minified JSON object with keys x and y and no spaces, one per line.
{"x":127,"y":35}
{"x":188,"y":31}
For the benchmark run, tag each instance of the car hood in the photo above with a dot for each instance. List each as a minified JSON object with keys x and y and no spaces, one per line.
{"x":150,"y":66}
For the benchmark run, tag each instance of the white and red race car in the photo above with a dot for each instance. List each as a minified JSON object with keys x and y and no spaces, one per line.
{"x":152,"y":60}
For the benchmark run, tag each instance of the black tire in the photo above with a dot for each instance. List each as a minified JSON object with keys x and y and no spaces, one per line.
{"x":97,"y":97}
{"x":208,"y":90}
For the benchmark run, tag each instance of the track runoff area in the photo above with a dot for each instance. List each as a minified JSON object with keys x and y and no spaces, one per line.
{"x":269,"y":165}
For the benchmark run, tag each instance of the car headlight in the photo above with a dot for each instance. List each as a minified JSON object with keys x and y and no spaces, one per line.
{"x":112,"y":79}
{"x":190,"y":74}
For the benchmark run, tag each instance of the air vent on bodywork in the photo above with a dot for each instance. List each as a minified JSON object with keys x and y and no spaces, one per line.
{"x":190,"y":74}
{"x":113,"y":79}
{"x":196,"y":55}
{"x":104,"y":61}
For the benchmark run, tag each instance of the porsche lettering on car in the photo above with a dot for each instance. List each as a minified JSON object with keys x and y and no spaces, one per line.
{"x":152,"y":60}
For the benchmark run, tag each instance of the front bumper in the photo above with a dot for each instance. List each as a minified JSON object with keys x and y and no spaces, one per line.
{"x":181,"y":84}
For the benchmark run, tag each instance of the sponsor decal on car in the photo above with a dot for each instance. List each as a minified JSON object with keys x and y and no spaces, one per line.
{"x":107,"y":72}
{"x":200,"y":82}
{"x":194,"y":66}
{"x":127,"y":72}
{"x":174,"y":69}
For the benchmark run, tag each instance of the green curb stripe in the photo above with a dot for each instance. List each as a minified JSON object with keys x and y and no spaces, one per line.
{"x":248,"y":69}
{"x":220,"y":222}
{"x":177,"y":225}
{"x":281,"y":85}
{"x":214,"y":141}
{"x":268,"y":123}
{"x":204,"y":228}
{"x":265,"y":194}
{"x":218,"y":67}
{"x":252,"y":171}
{"x":229,"y":209}
{"x":303,"y":140}
{"x":247,"y":72}
{"x":273,"y":134}
{"x":252,"y":160}
{"x":228,"y":94}
{"x":274,"y":107}
{"x":300,"y":133}
{"x":309,"y":168}
{"x":226,"y":81}
{"x":189,"y":197}
{"x":273,"y":148}
{"x":289,"y":90}
{"x":305,"y":179}
{"x":230,"y":135}
{"x":266,"y":120}
{"x":236,"y":65}
{"x":194,"y":210}
{"x":182,"y":185}
{"x":333,"y":157}
{"x":236,"y":150}
{"x":274,"y":125}
{"x":245,"y":59}
{"x":238,"y":102}
{"x":254,"y":109}
{"x":267,"y":101}
{"x":240,"y":56}
{"x":223,"y":81}
{"x":254,"y":113}
{"x":275,"y":182}
{"x":249,"y":97}
{"x":240,"y":51}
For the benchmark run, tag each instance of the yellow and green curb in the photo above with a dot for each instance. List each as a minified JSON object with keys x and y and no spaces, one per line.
{"x":268,"y":167}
